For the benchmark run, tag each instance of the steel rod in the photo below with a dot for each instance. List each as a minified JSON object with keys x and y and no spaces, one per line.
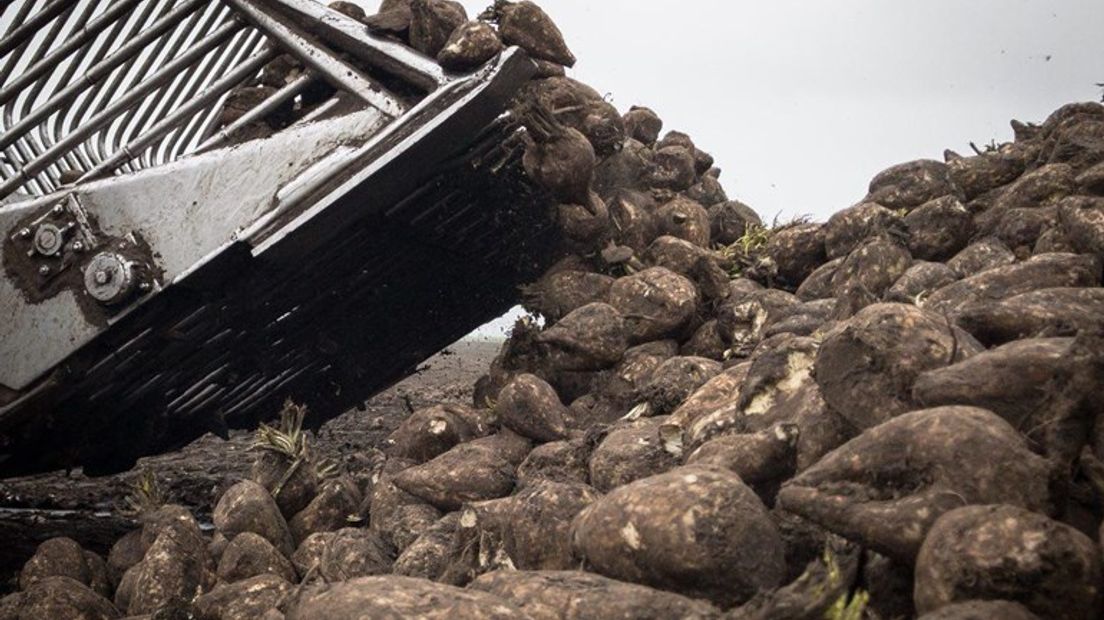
{"x":86,"y":34}
{"x":101,"y":69}
{"x":338,"y":73}
{"x":258,"y":112}
{"x":354,"y":37}
{"x":105,"y":115}
{"x":211,"y":93}
{"x":26,"y":30}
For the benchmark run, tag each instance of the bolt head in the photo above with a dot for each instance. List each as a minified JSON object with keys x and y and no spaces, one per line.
{"x":78,"y":246}
{"x":58,"y":210}
{"x":144,"y":287}
{"x":24,"y":233}
{"x":110,"y":278}
{"x":44,"y":270}
{"x":48,"y":239}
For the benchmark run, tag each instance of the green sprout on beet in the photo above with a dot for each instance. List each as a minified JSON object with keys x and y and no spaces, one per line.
{"x":289,"y":440}
{"x":327,"y":468}
{"x":849,"y":606}
{"x":144,"y":497}
{"x":741,"y":253}
{"x":754,"y":239}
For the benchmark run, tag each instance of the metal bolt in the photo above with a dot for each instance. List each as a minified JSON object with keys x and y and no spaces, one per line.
{"x":44,"y":270}
{"x":48,"y":239}
{"x":110,"y":278}
{"x":78,"y":246}
{"x":24,"y":233}
{"x":58,"y":210}
{"x":144,"y":287}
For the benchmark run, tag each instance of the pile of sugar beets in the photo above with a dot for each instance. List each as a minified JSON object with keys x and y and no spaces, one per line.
{"x":896,"y":413}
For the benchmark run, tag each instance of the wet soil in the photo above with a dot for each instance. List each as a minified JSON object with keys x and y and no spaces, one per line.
{"x":36,"y":508}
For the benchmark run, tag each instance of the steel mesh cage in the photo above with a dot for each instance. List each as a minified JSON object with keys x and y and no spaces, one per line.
{"x":96,"y":87}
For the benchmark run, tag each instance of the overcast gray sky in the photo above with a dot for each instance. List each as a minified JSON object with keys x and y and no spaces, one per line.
{"x":802,"y":102}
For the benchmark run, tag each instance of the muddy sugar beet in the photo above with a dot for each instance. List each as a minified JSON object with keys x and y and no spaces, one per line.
{"x":894,"y":412}
{"x":698,"y":530}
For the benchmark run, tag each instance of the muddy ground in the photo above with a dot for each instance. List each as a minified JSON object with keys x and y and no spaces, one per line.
{"x":35,"y":508}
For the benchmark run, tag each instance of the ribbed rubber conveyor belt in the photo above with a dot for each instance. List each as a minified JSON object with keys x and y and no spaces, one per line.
{"x":330,"y":331}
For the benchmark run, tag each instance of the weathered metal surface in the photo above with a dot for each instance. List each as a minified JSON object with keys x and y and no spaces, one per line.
{"x":186,"y":210}
{"x":73,"y":99}
{"x":186,"y":293}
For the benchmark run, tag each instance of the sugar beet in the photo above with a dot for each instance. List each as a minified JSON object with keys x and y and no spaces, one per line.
{"x":864,"y":491}
{"x":866,"y":366}
{"x":695,"y":530}
{"x":575,"y":595}
{"x":1006,"y":552}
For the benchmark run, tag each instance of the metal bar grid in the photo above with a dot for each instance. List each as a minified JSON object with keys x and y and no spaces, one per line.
{"x":114,"y":86}
{"x":91,"y":88}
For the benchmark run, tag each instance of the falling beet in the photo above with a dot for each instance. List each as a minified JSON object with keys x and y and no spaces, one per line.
{"x":525,"y":25}
{"x":557,"y":157}
{"x":432,"y":22}
{"x":470,"y":45}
